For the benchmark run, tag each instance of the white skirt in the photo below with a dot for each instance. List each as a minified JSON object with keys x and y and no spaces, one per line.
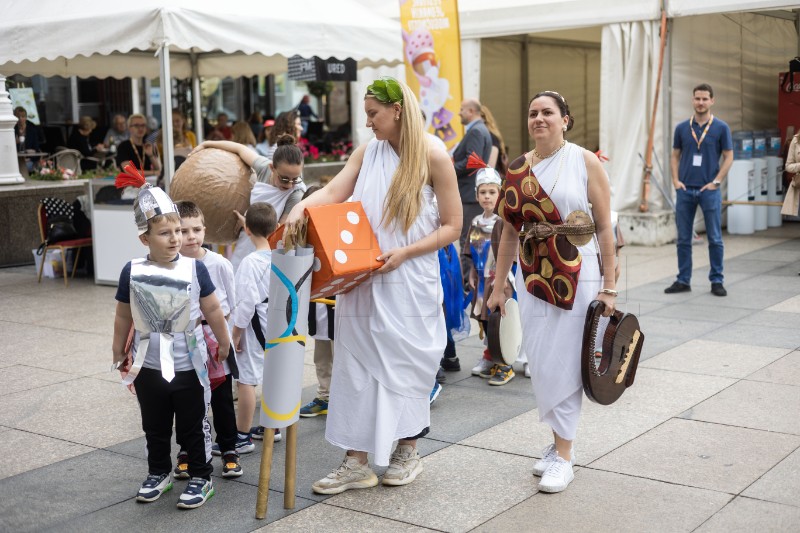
{"x":363,"y":415}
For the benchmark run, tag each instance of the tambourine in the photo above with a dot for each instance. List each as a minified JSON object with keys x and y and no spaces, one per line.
{"x":505,"y":334}
{"x":606,"y":380}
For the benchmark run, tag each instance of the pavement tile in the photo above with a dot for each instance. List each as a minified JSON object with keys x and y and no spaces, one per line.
{"x":322,"y":518}
{"x":715,"y":358}
{"x":781,"y":484}
{"x":706,"y":313}
{"x":790,"y":305}
{"x":29,"y":344}
{"x":752,"y":267}
{"x":676,"y":328}
{"x":232,"y":508}
{"x":789,"y":270}
{"x":85,"y":411}
{"x":436,"y":499}
{"x":639,"y":307}
{"x":19,"y":378}
{"x":656,"y":344}
{"x":654,"y":292}
{"x":21,"y":451}
{"x":770,"y":283}
{"x":86,"y":494}
{"x":745,"y":514}
{"x":773,"y":254}
{"x":611,"y":502}
{"x":752,"y":404}
{"x":777,"y":319}
{"x":743,"y":299}
{"x":699,"y":454}
{"x":656,"y":396}
{"x":785,"y":370}
{"x":743,"y":333}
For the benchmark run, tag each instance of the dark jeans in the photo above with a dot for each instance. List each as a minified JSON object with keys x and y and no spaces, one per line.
{"x":686,"y":203}
{"x":183,"y":400}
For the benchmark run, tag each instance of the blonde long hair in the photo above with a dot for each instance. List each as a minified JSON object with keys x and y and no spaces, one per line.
{"x":404,"y":198}
{"x":491,"y":125}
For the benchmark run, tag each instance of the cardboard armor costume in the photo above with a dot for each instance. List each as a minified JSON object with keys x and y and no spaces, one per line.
{"x":160,"y":295}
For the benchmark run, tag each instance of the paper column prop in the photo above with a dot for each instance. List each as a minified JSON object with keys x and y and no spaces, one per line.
{"x":287,"y":327}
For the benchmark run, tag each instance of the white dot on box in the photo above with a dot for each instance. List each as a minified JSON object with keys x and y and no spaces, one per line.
{"x":352,"y":217}
{"x":361,"y":276}
{"x":350,"y":284}
{"x":315,"y":296}
{"x":317,"y":264}
{"x":340,"y":256}
{"x":337,"y":281}
{"x":326,"y":289}
{"x":346,"y":237}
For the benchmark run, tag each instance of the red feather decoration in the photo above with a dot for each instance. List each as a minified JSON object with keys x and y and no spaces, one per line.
{"x":130,"y":177}
{"x":475,"y":161}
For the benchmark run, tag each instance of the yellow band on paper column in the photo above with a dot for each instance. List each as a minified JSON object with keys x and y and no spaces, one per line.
{"x":272,"y":414}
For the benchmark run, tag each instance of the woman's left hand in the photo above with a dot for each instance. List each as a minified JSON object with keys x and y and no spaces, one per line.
{"x":610,"y":302}
{"x":392,"y":260}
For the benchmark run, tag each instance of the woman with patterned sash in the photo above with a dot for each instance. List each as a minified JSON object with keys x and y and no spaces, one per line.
{"x":555,"y":198}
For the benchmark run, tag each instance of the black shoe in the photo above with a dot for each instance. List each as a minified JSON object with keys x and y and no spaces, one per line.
{"x":678,"y":287}
{"x":450,"y":364}
{"x":718,"y":290}
{"x":440,"y":376}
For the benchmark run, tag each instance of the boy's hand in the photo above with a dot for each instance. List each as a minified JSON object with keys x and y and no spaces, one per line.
{"x":236,"y":339}
{"x":239,"y":221}
{"x":223,"y":352}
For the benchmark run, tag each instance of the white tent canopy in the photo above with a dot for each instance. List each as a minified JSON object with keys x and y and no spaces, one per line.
{"x":683,"y":8}
{"x":192,"y":37}
{"x":229,"y":38}
{"x":479,"y":18}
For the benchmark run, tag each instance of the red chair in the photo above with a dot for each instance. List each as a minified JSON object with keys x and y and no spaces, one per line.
{"x":72,"y":244}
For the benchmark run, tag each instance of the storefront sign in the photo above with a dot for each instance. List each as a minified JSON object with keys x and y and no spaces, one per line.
{"x":318,"y":69}
{"x":432,"y":50}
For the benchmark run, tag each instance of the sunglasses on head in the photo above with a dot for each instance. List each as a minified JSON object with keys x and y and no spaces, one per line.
{"x":284,"y":179}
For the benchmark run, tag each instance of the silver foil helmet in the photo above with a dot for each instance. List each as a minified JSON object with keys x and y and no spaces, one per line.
{"x":151,"y":202}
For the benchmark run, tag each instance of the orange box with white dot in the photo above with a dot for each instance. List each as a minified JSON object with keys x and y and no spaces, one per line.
{"x":345,"y":247}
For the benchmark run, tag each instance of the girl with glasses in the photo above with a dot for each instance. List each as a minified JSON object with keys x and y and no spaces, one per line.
{"x":279,"y":182}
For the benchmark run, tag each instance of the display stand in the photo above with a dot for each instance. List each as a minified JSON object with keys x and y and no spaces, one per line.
{"x":290,"y":471}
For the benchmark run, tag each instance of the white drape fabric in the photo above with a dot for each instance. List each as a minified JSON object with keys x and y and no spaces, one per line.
{"x":390,"y":330}
{"x":629,"y":55}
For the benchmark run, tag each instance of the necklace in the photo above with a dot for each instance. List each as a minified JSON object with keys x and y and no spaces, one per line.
{"x":558,"y":172}
{"x":551,"y":154}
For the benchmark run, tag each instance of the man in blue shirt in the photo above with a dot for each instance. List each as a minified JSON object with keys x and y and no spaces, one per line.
{"x":697,"y":175}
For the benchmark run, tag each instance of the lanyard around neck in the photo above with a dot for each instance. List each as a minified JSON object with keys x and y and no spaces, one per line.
{"x":705,"y":130}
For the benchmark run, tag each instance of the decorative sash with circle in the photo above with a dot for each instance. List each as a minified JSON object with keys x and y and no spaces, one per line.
{"x":550,"y":265}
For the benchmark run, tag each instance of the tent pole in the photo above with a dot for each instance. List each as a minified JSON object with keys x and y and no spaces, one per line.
{"x":166,"y":115}
{"x":648,"y":166}
{"x":196,"y":103}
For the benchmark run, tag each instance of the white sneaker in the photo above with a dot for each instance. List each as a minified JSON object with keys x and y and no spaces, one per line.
{"x":557,"y":476}
{"x":482,"y":366}
{"x":351,"y":474}
{"x":526,"y":370}
{"x":404,"y":466}
{"x":549,"y":455}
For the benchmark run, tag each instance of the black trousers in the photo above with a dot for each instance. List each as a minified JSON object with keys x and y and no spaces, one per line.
{"x":183,"y":400}
{"x":224,"y":415}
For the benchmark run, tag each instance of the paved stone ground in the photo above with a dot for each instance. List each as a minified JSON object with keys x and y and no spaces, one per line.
{"x":708,"y":439}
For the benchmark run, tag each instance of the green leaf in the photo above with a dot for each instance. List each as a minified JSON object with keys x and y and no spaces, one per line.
{"x":393,"y":90}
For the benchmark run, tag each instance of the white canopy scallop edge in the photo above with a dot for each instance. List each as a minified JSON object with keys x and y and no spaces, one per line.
{"x":226,"y":37}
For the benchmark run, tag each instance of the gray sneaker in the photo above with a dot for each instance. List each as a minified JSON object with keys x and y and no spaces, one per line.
{"x":351,"y":474}
{"x":404,"y":466}
{"x":549,"y":455}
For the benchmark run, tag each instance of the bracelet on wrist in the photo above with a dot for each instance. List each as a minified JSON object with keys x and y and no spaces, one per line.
{"x":610,"y":292}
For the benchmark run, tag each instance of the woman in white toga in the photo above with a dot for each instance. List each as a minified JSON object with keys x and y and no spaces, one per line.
{"x":390,"y":330}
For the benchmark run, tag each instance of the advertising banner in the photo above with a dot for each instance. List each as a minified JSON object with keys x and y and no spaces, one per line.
{"x":432,"y":52}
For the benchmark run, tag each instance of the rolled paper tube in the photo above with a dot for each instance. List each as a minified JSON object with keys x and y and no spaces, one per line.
{"x":287,"y":328}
